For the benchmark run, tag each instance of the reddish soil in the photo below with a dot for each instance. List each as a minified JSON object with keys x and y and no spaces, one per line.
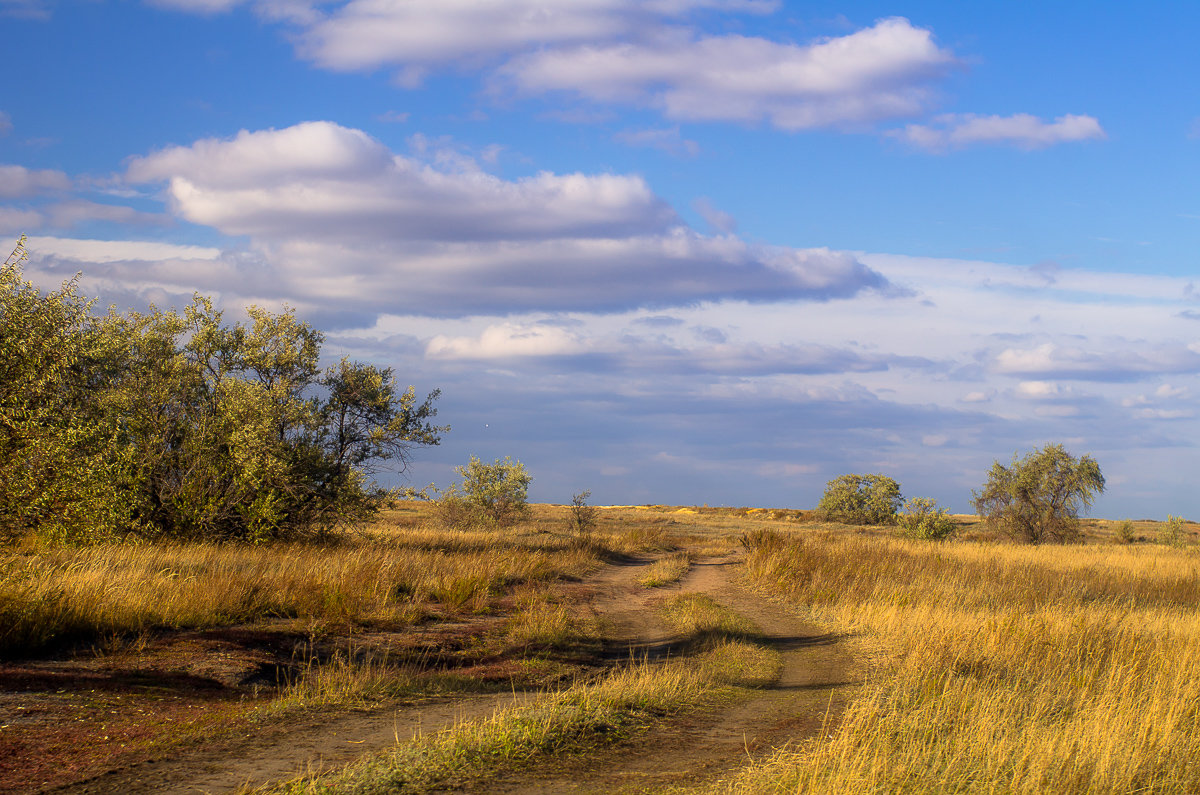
{"x":97,"y":725}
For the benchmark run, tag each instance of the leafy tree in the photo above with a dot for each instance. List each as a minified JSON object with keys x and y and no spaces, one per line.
{"x":493,"y":494}
{"x":177,"y":425}
{"x":861,"y":499}
{"x":1038,"y":497}
{"x":56,"y":469}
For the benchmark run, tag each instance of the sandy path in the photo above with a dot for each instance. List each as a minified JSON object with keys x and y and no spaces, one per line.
{"x":307,"y":746}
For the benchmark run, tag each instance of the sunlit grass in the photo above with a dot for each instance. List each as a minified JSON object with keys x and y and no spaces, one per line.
{"x":998,"y":668}
{"x":401,"y":570}
{"x":667,"y":570}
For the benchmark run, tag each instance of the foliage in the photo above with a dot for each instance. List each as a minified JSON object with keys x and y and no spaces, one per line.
{"x":170,"y":424}
{"x":921,"y":518}
{"x":583,"y":516}
{"x":1124,"y":532}
{"x":861,"y":499}
{"x":1171,"y":533}
{"x":1038,"y":497}
{"x":493,"y":495}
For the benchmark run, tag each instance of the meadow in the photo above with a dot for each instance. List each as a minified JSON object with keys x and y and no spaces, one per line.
{"x":980,"y":665}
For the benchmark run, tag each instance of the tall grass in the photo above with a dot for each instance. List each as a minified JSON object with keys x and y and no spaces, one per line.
{"x":52,"y":596}
{"x":999,"y":668}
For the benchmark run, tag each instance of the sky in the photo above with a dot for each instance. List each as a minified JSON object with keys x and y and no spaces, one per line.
{"x":670,"y":251}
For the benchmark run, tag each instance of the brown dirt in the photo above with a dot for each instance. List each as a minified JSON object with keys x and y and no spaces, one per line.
{"x":698,"y":747}
{"x":810,"y":693}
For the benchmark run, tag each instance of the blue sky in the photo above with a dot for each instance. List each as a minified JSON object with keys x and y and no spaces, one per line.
{"x":682,"y":251}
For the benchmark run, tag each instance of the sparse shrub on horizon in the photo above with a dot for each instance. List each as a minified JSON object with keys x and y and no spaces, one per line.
{"x":493,"y":495}
{"x":1038,"y":497}
{"x":861,"y":499}
{"x":1171,"y":532}
{"x":583,"y":516}
{"x":921,"y":518}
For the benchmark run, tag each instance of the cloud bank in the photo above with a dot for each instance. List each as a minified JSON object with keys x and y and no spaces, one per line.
{"x":331,"y":213}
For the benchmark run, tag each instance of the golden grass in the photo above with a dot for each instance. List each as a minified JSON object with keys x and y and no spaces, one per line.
{"x":665,"y":571}
{"x":624,"y":702}
{"x":998,"y":668}
{"x":403,"y":569}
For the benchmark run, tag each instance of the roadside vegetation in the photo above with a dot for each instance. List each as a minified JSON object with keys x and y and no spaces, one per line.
{"x":997,"y":668}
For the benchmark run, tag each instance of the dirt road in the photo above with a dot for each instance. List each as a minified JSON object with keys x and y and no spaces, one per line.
{"x":811,"y":689}
{"x":699,"y":747}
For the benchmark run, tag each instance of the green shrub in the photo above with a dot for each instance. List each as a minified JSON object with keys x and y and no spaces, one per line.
{"x":1171,"y":532}
{"x":494,"y":495}
{"x":1124,"y":532}
{"x":921,"y":518}
{"x":861,"y":499}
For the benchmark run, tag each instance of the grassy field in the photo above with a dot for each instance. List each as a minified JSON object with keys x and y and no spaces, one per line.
{"x":997,"y":668}
{"x":986,"y":666}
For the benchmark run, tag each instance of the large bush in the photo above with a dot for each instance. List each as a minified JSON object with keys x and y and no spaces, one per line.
{"x":493,"y":495}
{"x":177,"y":425}
{"x":861,"y":499}
{"x":1038,"y":497}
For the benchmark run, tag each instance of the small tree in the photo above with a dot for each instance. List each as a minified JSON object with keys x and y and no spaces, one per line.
{"x":493,"y":494}
{"x":922,"y":518}
{"x":1038,"y":497}
{"x":861,"y":499}
{"x":583,"y":516}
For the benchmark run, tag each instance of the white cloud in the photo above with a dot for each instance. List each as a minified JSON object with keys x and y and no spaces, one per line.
{"x":106,"y":251}
{"x":20,"y":182}
{"x":15,"y":220}
{"x":880,"y":72}
{"x":366,"y":34}
{"x":334,"y":214}
{"x":956,"y":131}
{"x":1113,"y":364}
{"x":504,"y":341}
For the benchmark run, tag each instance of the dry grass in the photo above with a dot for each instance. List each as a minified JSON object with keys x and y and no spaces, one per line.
{"x":665,"y":571}
{"x":404,"y":569}
{"x":999,"y":668}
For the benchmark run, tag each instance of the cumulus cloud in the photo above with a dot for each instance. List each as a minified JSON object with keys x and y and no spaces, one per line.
{"x":645,"y":53}
{"x":21,"y":182}
{"x":957,"y":130}
{"x":880,"y":72}
{"x":333,"y":214}
{"x":365,"y":34}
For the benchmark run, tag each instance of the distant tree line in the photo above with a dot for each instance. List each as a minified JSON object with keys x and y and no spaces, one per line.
{"x":178,"y":425}
{"x":1034,"y":499}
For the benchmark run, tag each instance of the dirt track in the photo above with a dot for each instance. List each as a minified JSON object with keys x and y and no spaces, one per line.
{"x":699,"y":747}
